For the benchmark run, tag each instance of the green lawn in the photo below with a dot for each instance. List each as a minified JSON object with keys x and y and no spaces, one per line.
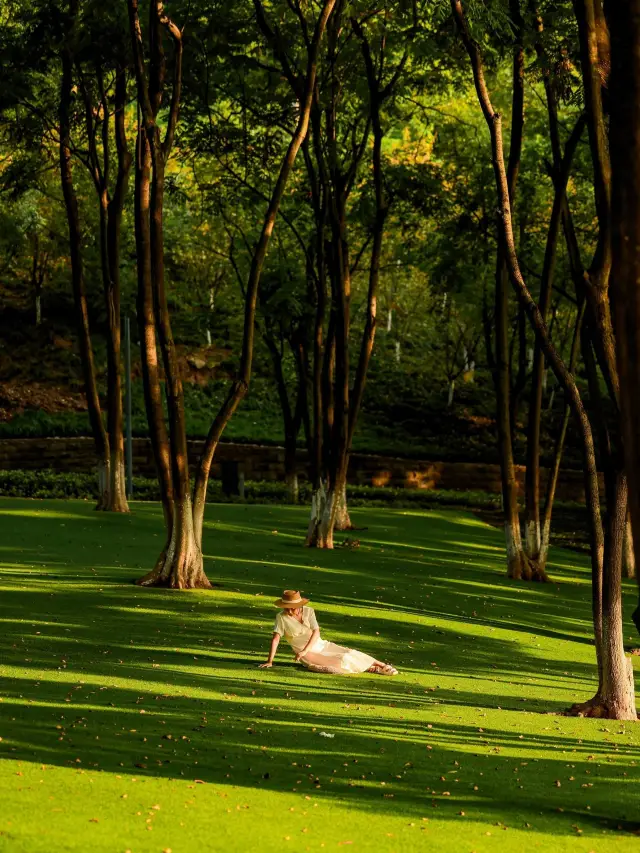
{"x":136,"y":720}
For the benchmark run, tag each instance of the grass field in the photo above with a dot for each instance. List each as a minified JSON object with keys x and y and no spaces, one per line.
{"x":136,"y":720}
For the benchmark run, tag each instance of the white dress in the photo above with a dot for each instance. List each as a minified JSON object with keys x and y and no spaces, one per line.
{"x":322,"y":656}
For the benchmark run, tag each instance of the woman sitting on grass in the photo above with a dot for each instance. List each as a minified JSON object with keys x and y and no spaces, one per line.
{"x":299,"y":626}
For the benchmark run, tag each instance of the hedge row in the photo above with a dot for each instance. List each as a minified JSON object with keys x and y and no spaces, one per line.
{"x":51,"y":484}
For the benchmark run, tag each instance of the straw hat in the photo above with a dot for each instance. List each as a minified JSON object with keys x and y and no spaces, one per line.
{"x":291,"y":598}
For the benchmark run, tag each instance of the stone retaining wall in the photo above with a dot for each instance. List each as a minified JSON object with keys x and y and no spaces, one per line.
{"x":267,"y":463}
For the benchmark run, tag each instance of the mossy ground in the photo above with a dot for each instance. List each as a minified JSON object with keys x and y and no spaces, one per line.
{"x":137,"y":720}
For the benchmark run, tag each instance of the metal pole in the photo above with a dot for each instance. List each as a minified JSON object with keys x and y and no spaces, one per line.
{"x":127,"y":369}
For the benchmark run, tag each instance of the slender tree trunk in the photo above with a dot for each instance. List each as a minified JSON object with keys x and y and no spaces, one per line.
{"x":518,"y":564}
{"x":291,"y":471}
{"x":183,"y":566}
{"x":617,"y":693}
{"x":333,"y":496}
{"x":534,"y":533}
{"x":148,"y":349}
{"x":37,"y":279}
{"x":519,"y":567}
{"x":110,"y":219}
{"x":336,"y":502}
{"x":77,"y":275}
{"x":180,"y":565}
{"x":322,"y":505}
{"x":240,"y":386}
{"x":518,"y":339}
{"x":337,"y":439}
{"x":629,"y":559}
{"x":118,"y":499}
{"x":616,"y":686}
{"x":318,"y":183}
{"x":554,"y":471}
{"x":624,"y":145}
{"x":290,"y":421}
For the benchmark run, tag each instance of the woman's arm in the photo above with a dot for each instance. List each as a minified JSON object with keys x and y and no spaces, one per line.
{"x":314,"y":636}
{"x":275,"y":640}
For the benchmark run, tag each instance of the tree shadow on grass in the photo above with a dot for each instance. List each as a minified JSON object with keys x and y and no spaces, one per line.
{"x":85,"y":651}
{"x":266,"y":742}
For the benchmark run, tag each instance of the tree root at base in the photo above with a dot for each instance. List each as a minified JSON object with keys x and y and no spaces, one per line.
{"x":174,"y":576}
{"x":595,"y":708}
{"x":524,"y":568}
{"x":152,"y":580}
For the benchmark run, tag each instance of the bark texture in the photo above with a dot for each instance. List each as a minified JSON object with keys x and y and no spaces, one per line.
{"x":614,"y":696}
{"x":103,"y":461}
{"x":180,"y":563}
{"x":624,"y":145}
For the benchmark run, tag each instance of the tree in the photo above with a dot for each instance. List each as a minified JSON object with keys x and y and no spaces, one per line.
{"x":332,"y":168}
{"x":615,"y":697}
{"x":42,"y":106}
{"x":104,"y":105}
{"x":180,"y":564}
{"x":77,"y":267}
{"x":624,"y":144}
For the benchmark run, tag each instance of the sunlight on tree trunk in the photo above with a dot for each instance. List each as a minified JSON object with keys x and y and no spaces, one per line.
{"x":629,"y":554}
{"x":614,"y":698}
{"x":343,"y":521}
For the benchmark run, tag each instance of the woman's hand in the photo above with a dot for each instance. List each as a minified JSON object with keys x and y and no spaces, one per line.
{"x":300,"y":655}
{"x":265,"y":665}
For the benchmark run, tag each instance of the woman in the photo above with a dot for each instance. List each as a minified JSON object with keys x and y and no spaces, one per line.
{"x":297,"y":623}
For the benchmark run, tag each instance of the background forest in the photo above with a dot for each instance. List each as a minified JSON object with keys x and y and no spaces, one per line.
{"x":429,"y":390}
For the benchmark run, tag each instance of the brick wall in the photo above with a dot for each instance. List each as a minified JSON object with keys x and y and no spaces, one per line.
{"x":267,"y":463}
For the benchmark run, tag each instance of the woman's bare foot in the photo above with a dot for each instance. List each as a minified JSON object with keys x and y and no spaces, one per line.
{"x":379,"y":668}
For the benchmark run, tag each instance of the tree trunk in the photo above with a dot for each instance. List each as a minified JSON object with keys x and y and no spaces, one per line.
{"x":519,"y":339}
{"x":518,"y":564}
{"x":321,"y":518}
{"x":316,"y":514}
{"x":519,"y":567}
{"x":115,"y":496}
{"x":180,"y":565}
{"x":554,"y":472}
{"x":534,"y":534}
{"x":624,"y":20}
{"x":629,"y":560}
{"x":290,"y":466}
{"x":565,"y":379}
{"x":77,"y":274}
{"x":293,"y":487}
{"x":146,"y":326}
{"x":240,"y":386}
{"x":452,"y":388}
{"x":291,"y":420}
{"x":115,"y":419}
{"x":343,"y":520}
{"x":37,"y":278}
{"x":615,"y":698}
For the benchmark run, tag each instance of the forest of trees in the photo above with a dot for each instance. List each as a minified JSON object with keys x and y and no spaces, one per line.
{"x":360,"y":202}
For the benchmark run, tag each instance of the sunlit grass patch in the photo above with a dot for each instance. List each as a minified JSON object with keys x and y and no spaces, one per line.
{"x":117,"y":699}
